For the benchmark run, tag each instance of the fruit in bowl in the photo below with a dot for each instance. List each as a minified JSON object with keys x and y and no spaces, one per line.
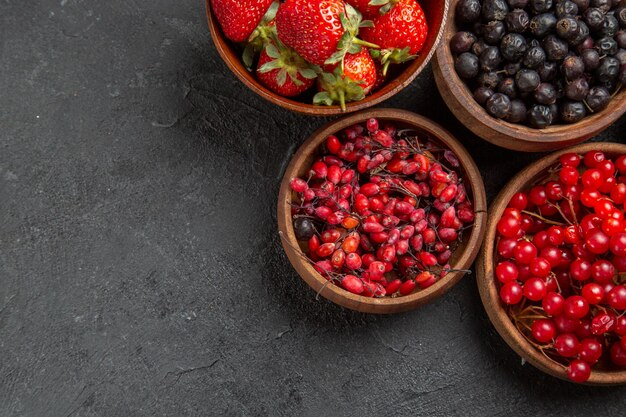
{"x":381,"y":210}
{"x":295,"y":46}
{"x":560,"y":260}
{"x":541,"y":63}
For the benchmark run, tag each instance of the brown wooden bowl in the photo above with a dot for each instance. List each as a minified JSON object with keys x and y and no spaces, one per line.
{"x":488,"y":288}
{"x":436,"y":13}
{"x":509,"y":135}
{"x":463,"y":256}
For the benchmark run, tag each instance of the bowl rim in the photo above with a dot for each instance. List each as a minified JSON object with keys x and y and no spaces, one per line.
{"x":384,"y":305}
{"x":486,"y":282}
{"x":462,"y":104}
{"x":390,"y":89}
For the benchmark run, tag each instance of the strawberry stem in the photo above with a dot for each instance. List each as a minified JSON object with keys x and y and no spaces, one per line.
{"x":365,"y":43}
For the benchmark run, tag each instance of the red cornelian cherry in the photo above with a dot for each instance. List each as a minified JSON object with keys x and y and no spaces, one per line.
{"x":524,"y":252}
{"x":578,"y":371}
{"x":567,"y":345}
{"x":603,"y":322}
{"x":553,"y":304}
{"x":506,"y":271}
{"x":580,"y":270}
{"x":511,"y":293}
{"x":618,"y":355}
{"x":540,"y":267}
{"x":620,"y":164}
{"x":590,"y":351}
{"x":570,"y":159}
{"x":593,"y":293}
{"x":592,"y":179}
{"x":616,"y":298}
{"x":593,"y":158}
{"x":617,"y":244}
{"x":576,"y":307}
{"x":535,"y":289}
{"x":597,"y":242}
{"x":519,"y":201}
{"x":568,"y":175}
{"x":543,"y":330}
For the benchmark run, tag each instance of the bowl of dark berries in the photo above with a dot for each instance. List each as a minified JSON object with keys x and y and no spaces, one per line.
{"x":552,"y":270}
{"x":326,"y":57}
{"x":381,"y":211}
{"x":534,"y":75}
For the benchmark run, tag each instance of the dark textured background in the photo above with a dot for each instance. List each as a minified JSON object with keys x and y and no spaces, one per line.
{"x":140,"y":270}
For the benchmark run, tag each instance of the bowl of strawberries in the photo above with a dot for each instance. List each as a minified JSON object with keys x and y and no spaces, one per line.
{"x":326,"y":57}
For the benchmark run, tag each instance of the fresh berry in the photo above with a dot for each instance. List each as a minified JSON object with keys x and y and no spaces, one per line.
{"x":238,"y":19}
{"x":400,"y":32}
{"x":283,"y":71}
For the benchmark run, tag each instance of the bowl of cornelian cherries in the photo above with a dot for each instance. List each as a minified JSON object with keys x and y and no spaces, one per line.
{"x":325,"y":57}
{"x":381,"y":211}
{"x":552,"y":271}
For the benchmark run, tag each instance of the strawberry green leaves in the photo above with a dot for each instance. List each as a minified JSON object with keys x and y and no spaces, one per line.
{"x":338,"y":89}
{"x":351,"y":21}
{"x":389,"y":56}
{"x":263,"y":33}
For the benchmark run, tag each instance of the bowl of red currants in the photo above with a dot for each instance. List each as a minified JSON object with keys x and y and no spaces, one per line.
{"x":552,"y":270}
{"x":534,"y":75}
{"x":326,"y":57}
{"x":381,"y":211}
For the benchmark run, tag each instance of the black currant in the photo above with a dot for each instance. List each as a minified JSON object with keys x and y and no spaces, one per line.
{"x":556,"y":49}
{"x":490,"y":59}
{"x":482,"y":94}
{"x":542,"y":24}
{"x":517,"y":21}
{"x":527,"y":80}
{"x":577,"y":89}
{"x":548,"y":71}
{"x":540,"y":116}
{"x":566,"y":8}
{"x":598,"y":98}
{"x":507,"y":86}
{"x":572,"y":111}
{"x":493,"y":31}
{"x":518,"y":112}
{"x":608,"y":69}
{"x":534,"y":57}
{"x":513,"y":47}
{"x":468,"y":11}
{"x":462,"y":42}
{"x":591,"y":59}
{"x":572,"y":67}
{"x":498,"y":105}
{"x":545,"y":94}
{"x":494,"y":10}
{"x":303,"y":228}
{"x":467,"y":65}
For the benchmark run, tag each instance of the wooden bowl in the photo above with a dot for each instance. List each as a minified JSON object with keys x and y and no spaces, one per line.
{"x":436,"y":13}
{"x":487,"y":282}
{"x":509,"y":135}
{"x":463,"y":256}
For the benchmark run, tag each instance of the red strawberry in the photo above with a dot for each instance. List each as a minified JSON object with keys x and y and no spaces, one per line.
{"x":283,"y":71}
{"x":381,"y":78}
{"x":361,"y":68}
{"x":321,"y":31}
{"x":239,"y":18}
{"x":352,"y":84}
{"x":400,"y":33}
{"x":367,"y":10}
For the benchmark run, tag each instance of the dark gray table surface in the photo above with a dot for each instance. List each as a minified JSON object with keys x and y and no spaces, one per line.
{"x":140,"y":269}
